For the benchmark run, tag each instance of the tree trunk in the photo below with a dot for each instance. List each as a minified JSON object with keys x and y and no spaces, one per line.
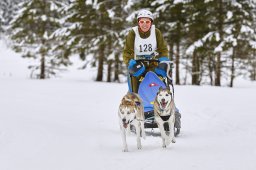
{"x":253,"y":63}
{"x":171,"y":56}
{"x":195,"y":69}
{"x":232,"y":68}
{"x":218,"y":70}
{"x":220,"y":30}
{"x":42,"y":67}
{"x":177,"y":63}
{"x":210,"y":67}
{"x":109,"y":70}
{"x":100,"y":63}
{"x":116,"y":67}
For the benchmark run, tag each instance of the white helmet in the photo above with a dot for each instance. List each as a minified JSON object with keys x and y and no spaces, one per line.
{"x":145,"y":14}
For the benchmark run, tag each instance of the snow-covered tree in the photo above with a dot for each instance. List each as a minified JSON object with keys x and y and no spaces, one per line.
{"x":224,"y":23}
{"x":1,"y":22}
{"x":78,"y":28}
{"x":240,"y":33}
{"x":93,"y":29}
{"x":81,"y":32}
{"x":118,"y":11}
{"x":32,"y":30}
{"x":171,"y":19}
{"x":7,"y":12}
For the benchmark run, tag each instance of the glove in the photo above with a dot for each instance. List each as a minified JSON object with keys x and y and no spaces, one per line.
{"x":162,"y":67}
{"x":136,"y":68}
{"x":163,"y":59}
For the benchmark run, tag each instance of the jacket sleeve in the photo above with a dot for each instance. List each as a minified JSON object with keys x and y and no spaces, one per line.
{"x":162,"y":48}
{"x":128,"y":52}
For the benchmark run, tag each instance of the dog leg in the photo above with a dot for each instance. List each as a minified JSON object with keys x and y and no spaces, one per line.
{"x":143,"y":134}
{"x":123,"y":134}
{"x":162,"y":131}
{"x":171,"y":124}
{"x":128,"y":129}
{"x":137,"y":127}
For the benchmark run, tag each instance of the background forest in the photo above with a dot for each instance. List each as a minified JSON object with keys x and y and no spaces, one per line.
{"x":209,"y":41}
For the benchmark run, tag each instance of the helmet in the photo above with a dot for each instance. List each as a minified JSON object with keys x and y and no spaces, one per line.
{"x":145,"y":13}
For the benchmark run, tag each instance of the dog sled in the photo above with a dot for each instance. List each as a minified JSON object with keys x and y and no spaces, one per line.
{"x":148,"y":84}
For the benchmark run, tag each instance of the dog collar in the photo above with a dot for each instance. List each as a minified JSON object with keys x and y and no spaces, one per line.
{"x":165,"y":118}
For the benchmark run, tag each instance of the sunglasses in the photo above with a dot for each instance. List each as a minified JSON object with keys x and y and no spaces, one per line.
{"x":142,"y":22}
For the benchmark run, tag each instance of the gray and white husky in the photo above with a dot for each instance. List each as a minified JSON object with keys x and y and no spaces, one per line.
{"x":164,"y":111}
{"x":131,"y":112}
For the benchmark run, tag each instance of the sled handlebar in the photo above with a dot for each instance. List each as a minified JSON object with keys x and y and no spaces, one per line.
{"x":148,"y":60}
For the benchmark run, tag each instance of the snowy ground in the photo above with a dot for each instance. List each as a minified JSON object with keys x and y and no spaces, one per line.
{"x":71,"y":123}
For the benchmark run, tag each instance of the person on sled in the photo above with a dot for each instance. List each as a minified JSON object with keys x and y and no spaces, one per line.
{"x":145,"y":40}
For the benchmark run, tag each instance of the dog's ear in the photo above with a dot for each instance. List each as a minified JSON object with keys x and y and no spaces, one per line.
{"x":160,"y":88}
{"x":137,"y":103}
{"x":135,"y":109}
{"x":168,"y":88}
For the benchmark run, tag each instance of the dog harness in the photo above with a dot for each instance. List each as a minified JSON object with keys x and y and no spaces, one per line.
{"x":167,"y":117}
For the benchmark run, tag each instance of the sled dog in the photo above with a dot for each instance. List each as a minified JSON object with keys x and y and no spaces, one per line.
{"x":164,"y":111}
{"x":131,"y":112}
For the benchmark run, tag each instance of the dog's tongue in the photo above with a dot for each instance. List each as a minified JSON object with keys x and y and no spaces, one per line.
{"x":125,"y":125}
{"x":163,"y":104}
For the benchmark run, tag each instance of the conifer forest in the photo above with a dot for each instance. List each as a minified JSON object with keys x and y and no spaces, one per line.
{"x":209,"y":41}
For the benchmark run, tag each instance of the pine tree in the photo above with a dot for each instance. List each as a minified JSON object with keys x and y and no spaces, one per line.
{"x":171,"y":20}
{"x":7,"y":12}
{"x":78,"y":28}
{"x":239,"y":33}
{"x":32,"y":30}
{"x":117,"y":12}
{"x":1,"y":22}
{"x":87,"y":31}
{"x":196,"y":26}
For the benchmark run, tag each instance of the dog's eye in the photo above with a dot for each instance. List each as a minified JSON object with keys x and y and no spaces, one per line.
{"x":167,"y":95}
{"x":128,"y":113}
{"x":122,"y":112}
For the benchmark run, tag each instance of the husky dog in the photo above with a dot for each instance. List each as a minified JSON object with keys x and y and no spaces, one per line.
{"x":164,"y":111}
{"x":131,"y":112}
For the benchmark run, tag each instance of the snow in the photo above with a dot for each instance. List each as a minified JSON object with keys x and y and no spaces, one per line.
{"x":219,"y":48}
{"x":236,"y":4}
{"x":44,"y":17}
{"x":128,"y":5}
{"x":229,"y":15}
{"x":71,"y":123}
{"x":179,"y":1}
{"x":192,"y":47}
{"x":253,"y":44}
{"x":246,"y":29}
{"x":11,"y":64}
{"x":53,"y":6}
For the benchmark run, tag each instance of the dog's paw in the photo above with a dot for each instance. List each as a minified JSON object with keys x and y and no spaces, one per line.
{"x":125,"y":150}
{"x":164,"y":144}
{"x":173,"y":140}
{"x":139,"y":146}
{"x":167,"y":141}
{"x":143,"y":135}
